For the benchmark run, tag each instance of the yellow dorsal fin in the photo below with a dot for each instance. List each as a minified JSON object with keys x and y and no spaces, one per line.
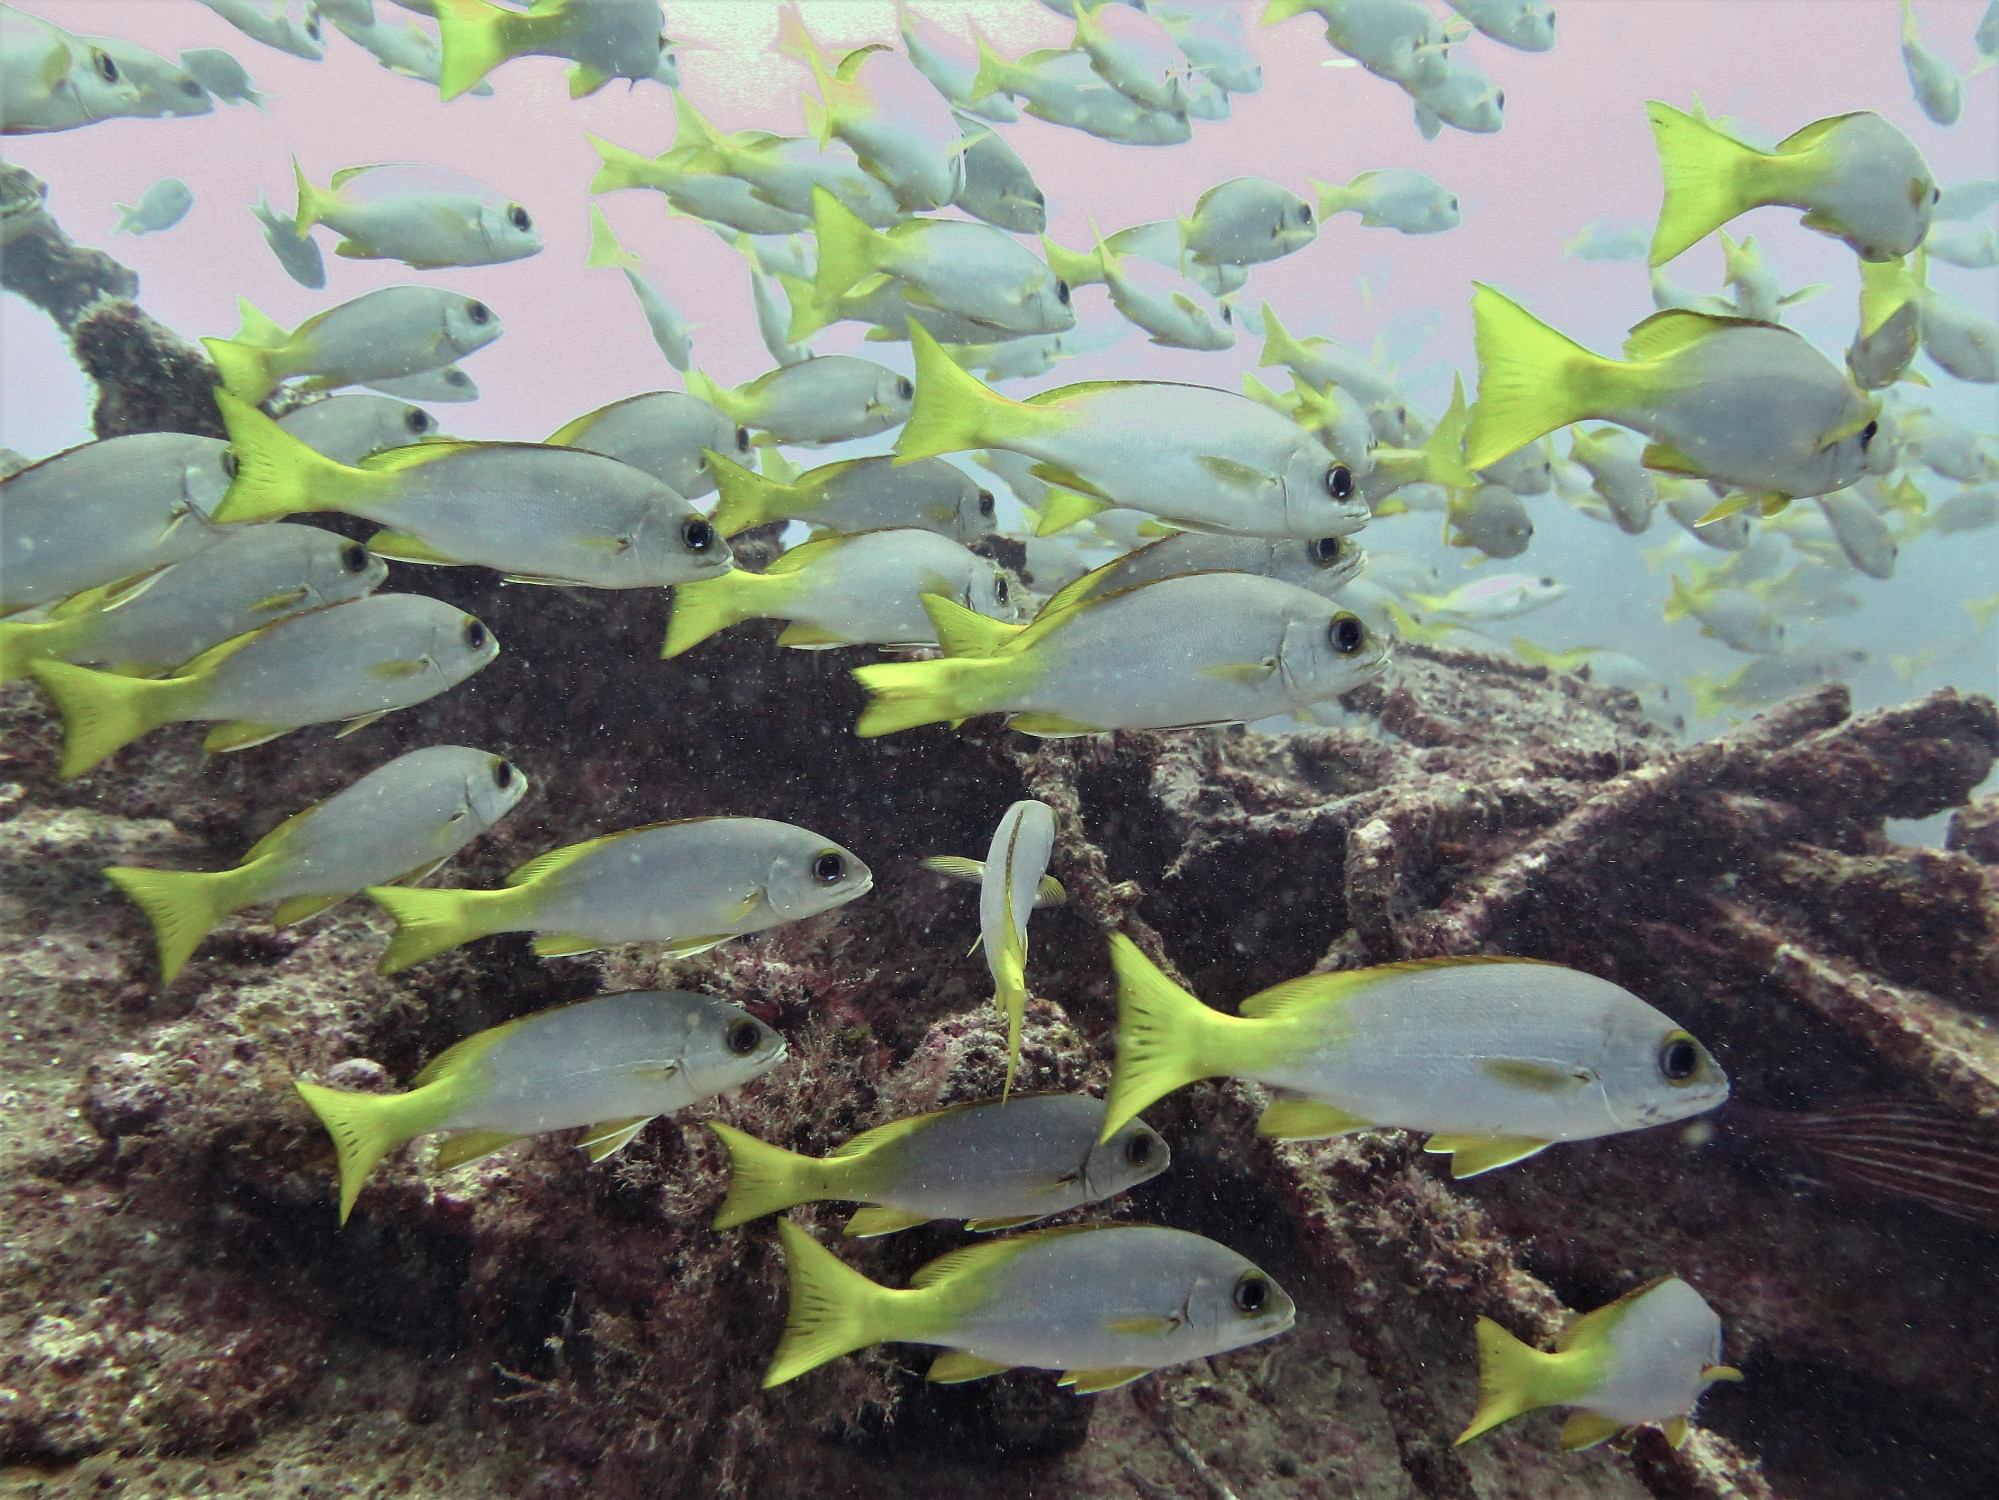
{"x":1318,"y":988}
{"x":461,"y":1055}
{"x":882,"y":1135}
{"x":1812,"y":134}
{"x":1593,"y":1327}
{"x":214,"y":656}
{"x":966,"y":632}
{"x":805,"y":554}
{"x":414,"y":455}
{"x":556,"y":859}
{"x":981,"y":1260}
{"x":345,"y":174}
{"x":1669,"y":332}
{"x":257,"y":329}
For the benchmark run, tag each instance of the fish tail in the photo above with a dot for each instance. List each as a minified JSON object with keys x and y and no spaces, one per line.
{"x":128,"y":215}
{"x":1166,"y":1039}
{"x":1284,"y":10}
{"x":475,"y":38}
{"x":747,"y":497}
{"x":604,"y":247}
{"x":834,"y":1309}
{"x":312,"y":203}
{"x":1531,"y":379}
{"x":767,"y":1179}
{"x":849,"y":251}
{"x":1710,"y":178}
{"x":367,"y":1127}
{"x":1279,"y":348}
{"x":1508,"y":1374}
{"x":1334,"y":199}
{"x":277,"y":475}
{"x":993,"y":71}
{"x":708,"y":605}
{"x":1066,"y":508}
{"x":431,"y":922}
{"x":955,"y":411}
{"x":184,"y":906}
{"x":1444,"y":449}
{"x":1010,"y":995}
{"x":619,"y":169}
{"x":103,"y":712}
{"x":249,"y":373}
{"x":905,"y":694}
{"x":1077,"y":267}
{"x":1680,"y":602}
{"x":25,"y":642}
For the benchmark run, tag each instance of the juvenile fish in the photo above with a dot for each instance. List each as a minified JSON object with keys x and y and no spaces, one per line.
{"x":1136,"y":55}
{"x":1394,"y":198}
{"x":950,"y":77}
{"x":1324,"y":565}
{"x":1494,"y":1058}
{"x":1465,"y":99}
{"x":1062,"y":87}
{"x":269,"y":22}
{"x":693,"y":188}
{"x":395,"y":825}
{"x":830,"y":399}
{"x":689,"y":884}
{"x":380,"y":335}
{"x":300,"y":258}
{"x":1212,"y":648}
{"x":221,"y":75}
{"x":354,"y":663}
{"x":995,"y":1165}
{"x":449,"y":384}
{"x":1527,"y":25}
{"x":254,"y":576}
{"x":1775,"y":675}
{"x":1490,"y":518}
{"x":1157,"y":301}
{"x":105,"y":512}
{"x":1735,"y":617}
{"x":845,"y":590}
{"x":421,"y":215}
{"x":536,"y":513}
{"x":1938,"y":89}
{"x":621,"y":40}
{"x":1624,"y":484}
{"x":1643,"y":1360}
{"x":610,"y":1064}
{"x":161,"y":206}
{"x":783,"y":169}
{"x":669,"y":434}
{"x":347,"y":429}
{"x":1103,"y":1303}
{"x":857,"y":494}
{"x":1861,"y":533}
{"x":998,"y":187}
{"x":1394,"y":39}
{"x":668,"y":325}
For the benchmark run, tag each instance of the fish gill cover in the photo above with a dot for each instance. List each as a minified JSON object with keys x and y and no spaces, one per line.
{"x":1430,"y":567}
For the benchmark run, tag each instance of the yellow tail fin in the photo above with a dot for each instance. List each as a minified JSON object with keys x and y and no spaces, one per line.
{"x":476,"y":38}
{"x":1284,"y":10}
{"x":604,"y":247}
{"x":367,"y":1127}
{"x":619,"y":169}
{"x":1531,"y":379}
{"x":1710,"y":178}
{"x":1681,"y":601}
{"x":24,"y":642}
{"x":749,"y":498}
{"x":1508,"y":1374}
{"x":708,"y":605}
{"x":1077,"y":267}
{"x":1279,"y":348}
{"x":312,"y":202}
{"x":431,"y":922}
{"x":247,"y":372}
{"x":849,"y":251}
{"x":103,"y":712}
{"x":277,"y":475}
{"x":1166,"y":1039}
{"x":905,"y":694}
{"x":834,"y":1308}
{"x":767,"y":1179}
{"x":993,"y":72}
{"x":954,"y":411}
{"x":1010,"y":995}
{"x":184,"y":906}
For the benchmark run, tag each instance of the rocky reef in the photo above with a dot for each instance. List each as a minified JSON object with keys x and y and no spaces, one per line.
{"x":179,"y":1313}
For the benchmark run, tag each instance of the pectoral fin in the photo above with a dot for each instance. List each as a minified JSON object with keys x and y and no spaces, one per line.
{"x":1473,"y":1154}
{"x":556,"y":944}
{"x":300,"y":907}
{"x":1721,"y":510}
{"x":238,"y":735}
{"x":1536,"y":1077}
{"x":956,"y":1366}
{"x":406,"y":548}
{"x":1669,"y":460}
{"x":869,"y":1222}
{"x":1088,"y":1382}
{"x":470,"y":1145}
{"x":988,"y":1226}
{"x":1586,"y":1429}
{"x":354,"y":250}
{"x":1230,"y":472}
{"x":278,"y":601}
{"x":1050,"y":726}
{"x":1676,"y":1431}
{"x":585,"y":81}
{"x":1049,"y":892}
{"x":1143,"y":1328}
{"x":1249,"y":673}
{"x":687,"y":947}
{"x":800,"y":634}
{"x":355,"y":726}
{"x":395,"y":671}
{"x":611,"y":1137}
{"x":1306,"y":1120}
{"x":956,"y":867}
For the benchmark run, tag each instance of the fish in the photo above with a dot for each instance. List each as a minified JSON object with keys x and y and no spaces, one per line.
{"x":857,"y":494}
{"x":107,"y":512}
{"x":975,"y":270}
{"x":774,"y":314}
{"x":300,"y":258}
{"x":1689,"y":507}
{"x":610,"y":1064}
{"x":1889,"y":333}
{"x":668,"y":325}
{"x":1643,"y":1360}
{"x":1958,"y":336}
{"x":1625,"y":485}
{"x":1862,"y":535}
{"x":1525,"y":25}
{"x":380,"y":335}
{"x":1136,"y":55}
{"x":622,"y":40}
{"x":1321,"y":362}
{"x":1986,"y":38}
{"x":1938,"y":90}
{"x":1525,"y":471}
{"x":449,"y":384}
{"x":1499,"y":596}
{"x":1753,"y":279}
{"x":406,"y":49}
{"x":1158,"y":301}
{"x":427,"y":217}
{"x":689,"y":884}
{"x":395,"y":825}
{"x":1464,"y":99}
{"x":1773,"y":676}
{"x":1062,"y":87}
{"x":221,"y":75}
{"x":1903,"y":1148}
{"x":1012,"y":883}
{"x":252,"y":576}
{"x":1965,"y":200}
{"x":1393,"y":198}
{"x":1103,"y":1303}
{"x":669,"y":434}
{"x":830,"y":399}
{"x":783,"y":170}
{"x":949,"y":76}
{"x":164,"y":88}
{"x":53,"y":80}
{"x":1212,"y":648}
{"x":844,"y":590}
{"x":1609,"y":239}
{"x":1858,"y":178}
{"x":995,"y":1164}
{"x":1211,"y":39}
{"x":1752,"y":405}
{"x":539,"y":513}
{"x":1733,"y":616}
{"x":350,"y":663}
{"x":1394,"y":39}
{"x":693,"y":189}
{"x":1974,"y":248}
{"x":1495,"y":1058}
{"x":1247,"y":221}
{"x":1325,"y":565}
{"x":160,"y":207}
{"x":1336,"y":418}
{"x":1970,"y":509}
{"x":1490,"y":518}
{"x":270,"y":22}
{"x":1190,"y":454}
{"x":347,"y":429}
{"x":998,"y":188}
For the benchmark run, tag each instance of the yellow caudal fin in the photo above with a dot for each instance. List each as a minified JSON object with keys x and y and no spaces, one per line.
{"x":476,"y":38}
{"x":184,"y":906}
{"x":604,"y":247}
{"x":834,"y":1309}
{"x":707,"y":605}
{"x":430,"y":922}
{"x":966,"y":632}
{"x":247,"y":371}
{"x":1710,"y":178}
{"x":954,"y":411}
{"x":25,"y":641}
{"x":1010,"y":995}
{"x":1681,"y":601}
{"x":619,"y":169}
{"x":1508,"y":1374}
{"x":849,"y":251}
{"x":1284,"y":10}
{"x":1166,"y":1038}
{"x":277,"y":475}
{"x":103,"y":712}
{"x":312,"y":202}
{"x":1531,"y":379}
{"x":1444,"y":449}
{"x":367,"y":1127}
{"x":766,"y":1179}
{"x":748,"y":498}
{"x":994,"y":71}
{"x":905,"y":694}
{"x":1077,"y":267}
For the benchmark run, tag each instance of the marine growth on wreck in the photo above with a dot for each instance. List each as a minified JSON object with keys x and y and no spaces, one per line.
{"x":1191,"y":749}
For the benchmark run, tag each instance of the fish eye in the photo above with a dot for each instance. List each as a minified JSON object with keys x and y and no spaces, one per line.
{"x":1339,"y":481}
{"x":986,"y":502}
{"x":354,"y":558}
{"x":1346,"y":634}
{"x":1304,"y":213}
{"x":1251,"y":1293}
{"x":518,"y":217}
{"x":504,"y":774}
{"x":1680,"y":1057}
{"x":1499,"y":99}
{"x":745,"y":1036}
{"x":1227,"y":315}
{"x":1326,"y":550}
{"x":106,"y":68}
{"x":1138,"y":1149}
{"x":475,"y":635}
{"x":904,"y":389}
{"x":478,"y":312}
{"x":1868,"y":434}
{"x":312,"y":28}
{"x":1936,"y":195}
{"x":696,"y":534}
{"x":742,"y":440}
{"x":1038,"y":199}
{"x":829,"y":867}
{"x":457,"y":379}
{"x":416,"y":419}
{"x":1061,"y":291}
{"x":1547,"y":583}
{"x":999,"y":590}
{"x":193,"y":89}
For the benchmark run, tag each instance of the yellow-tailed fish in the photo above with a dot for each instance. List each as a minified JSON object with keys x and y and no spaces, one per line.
{"x":1158,"y":301}
{"x":921,"y":39}
{"x":866,"y":587}
{"x":1465,"y":98}
{"x":621,"y":40}
{"x":348,"y":428}
{"x":537,"y":513}
{"x":221,"y":75}
{"x":856,"y":494}
{"x":1490,"y":518}
{"x":1061,"y":87}
{"x":1857,"y":177}
{"x":401,"y":47}
{"x":424,"y":216}
{"x":669,"y":434}
{"x":995,"y":1165}
{"x":252,"y":577}
{"x":1624,"y":484}
{"x":1777,"y":675}
{"x":1735,"y":617}
{"x":1325,"y":565}
{"x":1246,"y":221}
{"x":1526,"y":25}
{"x":610,"y":1065}
{"x":1192,"y":454}
{"x":1394,"y":39}
{"x":693,"y":188}
{"x":160,"y":207}
{"x":274,"y":26}
{"x":1643,"y":1360}
{"x":1212,"y":648}
{"x":106,"y":512}
{"x":1938,"y":89}
{"x":1500,"y":596}
{"x":826,"y":400}
{"x":773,"y":311}
{"x":1750,"y":404}
{"x":1136,"y":55}
{"x":352,"y":663}
{"x":394,"y":826}
{"x":51,"y":79}
{"x":1321,"y":362}
{"x":1393,"y":198}
{"x":998,"y":187}
{"x":380,"y":335}
{"x":668,"y":325}
{"x":1494,"y":1058}
{"x":888,"y":305}
{"x":1890,"y":329}
{"x":689,"y":884}
{"x":784,"y":169}
{"x":1338,"y":419}
{"x":300,"y":258}
{"x":1103,"y":1303}
{"x":1439,"y":461}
